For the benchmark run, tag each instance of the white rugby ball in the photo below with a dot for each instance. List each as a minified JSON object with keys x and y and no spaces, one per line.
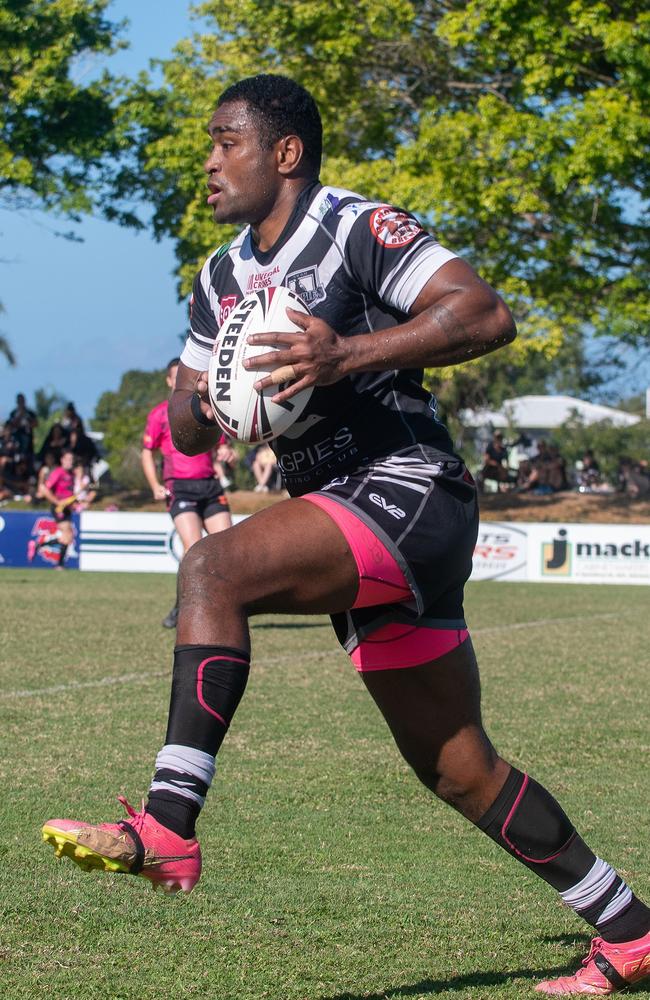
{"x":241,"y":411}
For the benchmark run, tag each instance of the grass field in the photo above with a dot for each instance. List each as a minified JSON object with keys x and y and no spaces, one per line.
{"x":329,"y":873}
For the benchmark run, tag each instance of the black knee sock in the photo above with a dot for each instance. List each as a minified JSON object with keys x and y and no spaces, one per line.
{"x":207,"y":686}
{"x":531,"y":826}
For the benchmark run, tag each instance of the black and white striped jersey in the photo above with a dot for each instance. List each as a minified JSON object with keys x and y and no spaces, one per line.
{"x":358,"y":265}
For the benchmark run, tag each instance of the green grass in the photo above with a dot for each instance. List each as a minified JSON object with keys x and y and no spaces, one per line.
{"x":329,"y":873}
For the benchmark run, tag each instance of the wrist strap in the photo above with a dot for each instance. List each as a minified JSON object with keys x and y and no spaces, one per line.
{"x":198,"y":414}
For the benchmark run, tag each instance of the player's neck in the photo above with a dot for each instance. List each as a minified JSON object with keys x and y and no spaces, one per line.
{"x":266,"y":233}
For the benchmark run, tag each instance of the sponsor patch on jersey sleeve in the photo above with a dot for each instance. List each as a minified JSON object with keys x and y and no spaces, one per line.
{"x":226,"y":305}
{"x":392,"y":228}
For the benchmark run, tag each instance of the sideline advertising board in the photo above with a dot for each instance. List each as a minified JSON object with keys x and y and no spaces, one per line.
{"x":28,"y":538}
{"x":125,"y":542}
{"x":148,"y":543}
{"x":589,"y":553}
{"x":501,"y":552}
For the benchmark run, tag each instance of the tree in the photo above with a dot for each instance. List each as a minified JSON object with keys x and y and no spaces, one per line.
{"x":60,"y":144}
{"x":5,"y":347}
{"x":516,"y":130}
{"x":121,"y":415}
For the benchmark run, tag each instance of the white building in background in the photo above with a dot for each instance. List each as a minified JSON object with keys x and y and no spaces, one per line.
{"x":537,"y":416}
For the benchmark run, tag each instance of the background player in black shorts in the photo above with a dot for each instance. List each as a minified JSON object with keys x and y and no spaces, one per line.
{"x":191,"y":487}
{"x":371,"y":472}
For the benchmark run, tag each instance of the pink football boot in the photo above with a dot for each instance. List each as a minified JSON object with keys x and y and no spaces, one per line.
{"x":137,"y":846}
{"x":607,"y":969}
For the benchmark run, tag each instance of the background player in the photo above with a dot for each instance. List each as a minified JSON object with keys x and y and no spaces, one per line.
{"x":59,"y":490}
{"x":380,"y":527}
{"x":191,"y":486}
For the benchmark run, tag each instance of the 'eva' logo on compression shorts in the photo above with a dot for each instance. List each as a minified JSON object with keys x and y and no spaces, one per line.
{"x":390,"y":508}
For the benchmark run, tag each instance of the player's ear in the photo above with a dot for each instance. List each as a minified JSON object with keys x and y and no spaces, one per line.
{"x":290,"y":154}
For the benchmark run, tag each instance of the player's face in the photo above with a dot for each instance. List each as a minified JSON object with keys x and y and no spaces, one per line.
{"x":242,"y":175}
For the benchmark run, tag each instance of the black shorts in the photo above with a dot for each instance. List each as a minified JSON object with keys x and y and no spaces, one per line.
{"x":425,"y":511}
{"x":62,"y":515}
{"x":204,"y":497}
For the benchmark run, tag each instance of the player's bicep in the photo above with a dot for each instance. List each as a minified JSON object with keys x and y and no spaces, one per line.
{"x":454,"y":278}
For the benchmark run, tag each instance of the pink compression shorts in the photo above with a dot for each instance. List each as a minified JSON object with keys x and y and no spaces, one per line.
{"x":381,"y":581}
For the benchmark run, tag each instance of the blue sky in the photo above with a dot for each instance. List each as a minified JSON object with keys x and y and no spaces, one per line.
{"x":78,"y":315}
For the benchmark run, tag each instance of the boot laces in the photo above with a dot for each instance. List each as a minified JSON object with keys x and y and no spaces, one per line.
{"x":595,"y":947}
{"x":136,"y":819}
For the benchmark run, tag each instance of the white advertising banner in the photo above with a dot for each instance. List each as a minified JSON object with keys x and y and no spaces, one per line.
{"x":549,"y":552}
{"x":589,"y":553}
{"x":501,"y":552}
{"x":130,"y":542}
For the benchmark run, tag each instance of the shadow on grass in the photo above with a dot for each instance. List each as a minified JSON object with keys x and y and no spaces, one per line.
{"x":571,"y":940}
{"x":455,"y":984}
{"x":292,"y":625}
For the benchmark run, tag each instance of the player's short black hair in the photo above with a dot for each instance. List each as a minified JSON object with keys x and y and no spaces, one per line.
{"x":282,"y":107}
{"x":174,"y":363}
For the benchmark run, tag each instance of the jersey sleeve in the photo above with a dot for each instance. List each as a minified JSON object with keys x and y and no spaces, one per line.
{"x":203,"y":323}
{"x":152,"y":437}
{"x":392,"y":256}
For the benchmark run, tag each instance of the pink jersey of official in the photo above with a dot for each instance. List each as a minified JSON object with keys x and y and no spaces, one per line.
{"x":60,"y":481}
{"x":176,"y":465}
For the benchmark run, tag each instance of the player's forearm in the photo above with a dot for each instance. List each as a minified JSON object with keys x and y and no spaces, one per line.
{"x":149,"y":469}
{"x":189,"y":434}
{"x":448,"y":332}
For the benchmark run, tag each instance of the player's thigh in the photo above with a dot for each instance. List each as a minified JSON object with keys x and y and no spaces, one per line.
{"x":217,"y":522}
{"x":290,"y":557}
{"x":433,"y":707}
{"x":189,"y":527}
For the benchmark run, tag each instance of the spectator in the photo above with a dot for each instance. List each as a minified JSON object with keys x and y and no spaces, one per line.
{"x":49,"y":464}
{"x":71,"y":420}
{"x":9,"y":450}
{"x":264,"y":466}
{"x":556,"y":470}
{"x":546,"y":473}
{"x":84,"y":447}
{"x":634,"y":478}
{"x":588,"y":479}
{"x":495,"y":462}
{"x":82,"y":486}
{"x":23,"y":422}
{"x":56,"y":441}
{"x":19,"y":479}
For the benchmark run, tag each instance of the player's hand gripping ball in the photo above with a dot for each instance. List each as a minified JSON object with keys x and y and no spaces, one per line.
{"x":241,"y":411}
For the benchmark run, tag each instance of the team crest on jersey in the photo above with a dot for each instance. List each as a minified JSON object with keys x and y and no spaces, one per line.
{"x":226,"y":305}
{"x":392,"y":228}
{"x":306,"y":284}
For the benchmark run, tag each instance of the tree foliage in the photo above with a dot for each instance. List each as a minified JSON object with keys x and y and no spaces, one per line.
{"x":60,"y":144}
{"x":516,"y":130}
{"x":121,"y":415}
{"x":609,"y":443}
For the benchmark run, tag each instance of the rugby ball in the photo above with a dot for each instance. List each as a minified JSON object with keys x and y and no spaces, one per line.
{"x":241,"y":411}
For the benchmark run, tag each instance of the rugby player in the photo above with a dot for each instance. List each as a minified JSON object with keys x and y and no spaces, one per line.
{"x":194,"y":496}
{"x":379,"y":528}
{"x":58,"y":489}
